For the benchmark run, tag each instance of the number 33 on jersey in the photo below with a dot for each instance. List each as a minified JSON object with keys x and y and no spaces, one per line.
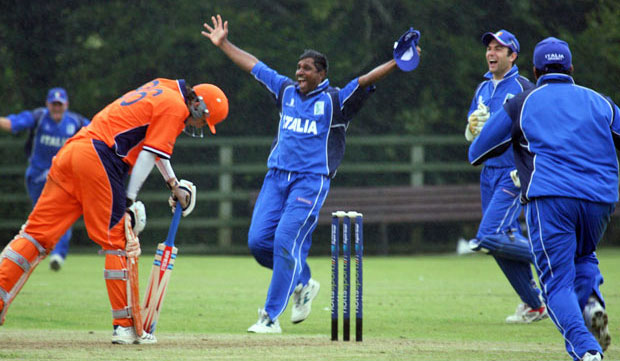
{"x":142,"y":118}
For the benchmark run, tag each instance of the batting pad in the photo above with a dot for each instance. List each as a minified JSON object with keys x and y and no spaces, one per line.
{"x":17,"y":261}
{"x":500,"y":245}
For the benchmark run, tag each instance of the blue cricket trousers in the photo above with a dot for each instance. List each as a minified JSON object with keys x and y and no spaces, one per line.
{"x":285,"y":215}
{"x":500,"y":202}
{"x":564,"y":233}
{"x":500,"y":212}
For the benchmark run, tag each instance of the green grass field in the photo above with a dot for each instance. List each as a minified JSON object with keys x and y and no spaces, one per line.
{"x":415,"y":308}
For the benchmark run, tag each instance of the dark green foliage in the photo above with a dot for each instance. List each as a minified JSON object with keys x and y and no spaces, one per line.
{"x":100,"y":49}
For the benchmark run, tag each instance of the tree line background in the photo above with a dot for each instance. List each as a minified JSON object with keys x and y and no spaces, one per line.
{"x":98,"y":50}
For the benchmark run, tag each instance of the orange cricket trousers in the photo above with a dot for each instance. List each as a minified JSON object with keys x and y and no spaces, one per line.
{"x":86,"y":178}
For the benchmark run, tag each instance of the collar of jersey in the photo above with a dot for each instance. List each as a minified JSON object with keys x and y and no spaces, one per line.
{"x":319,"y":88}
{"x":181,"y":84}
{"x":514,"y":71}
{"x":555,"y":78}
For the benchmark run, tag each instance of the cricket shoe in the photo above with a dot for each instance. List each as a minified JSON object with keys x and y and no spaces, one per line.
{"x":596,"y":319}
{"x":56,"y":262}
{"x":592,"y":356}
{"x":265,"y":324}
{"x":302,"y":300}
{"x":526,"y":314}
{"x":127,"y":336}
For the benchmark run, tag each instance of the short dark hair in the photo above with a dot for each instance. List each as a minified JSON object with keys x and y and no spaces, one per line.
{"x":510,"y":51}
{"x":320,"y":60}
{"x":553,"y":68}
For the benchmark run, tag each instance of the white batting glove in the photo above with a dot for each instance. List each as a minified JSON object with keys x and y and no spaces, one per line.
{"x":514,"y":175}
{"x":184,"y":192}
{"x":137,"y":212}
{"x":132,"y":247}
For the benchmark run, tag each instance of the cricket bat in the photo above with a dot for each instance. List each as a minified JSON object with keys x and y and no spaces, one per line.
{"x":134,"y":294}
{"x":133,"y":286}
{"x":160,"y":275}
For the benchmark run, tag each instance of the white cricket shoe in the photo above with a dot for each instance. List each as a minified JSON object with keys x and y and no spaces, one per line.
{"x":265,"y":324}
{"x":56,"y":262}
{"x":526,"y":314}
{"x":596,"y":319}
{"x":146,"y":339}
{"x":127,"y":336}
{"x":590,"y":357}
{"x":302,"y":300}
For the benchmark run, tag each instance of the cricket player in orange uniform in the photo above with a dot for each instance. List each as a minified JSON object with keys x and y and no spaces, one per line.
{"x":87,"y":177}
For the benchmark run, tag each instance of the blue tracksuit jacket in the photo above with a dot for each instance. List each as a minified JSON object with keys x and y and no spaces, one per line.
{"x":494,"y":97}
{"x":311,"y":133}
{"x":565,"y":138}
{"x":568,"y":154}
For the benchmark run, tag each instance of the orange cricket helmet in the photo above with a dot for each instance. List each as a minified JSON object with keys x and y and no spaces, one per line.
{"x":215,"y":101}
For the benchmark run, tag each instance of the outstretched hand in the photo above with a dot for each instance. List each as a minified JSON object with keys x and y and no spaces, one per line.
{"x":218,"y":33}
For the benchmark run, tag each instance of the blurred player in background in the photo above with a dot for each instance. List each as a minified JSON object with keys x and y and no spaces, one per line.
{"x":49,"y":128}
{"x":304,"y":158}
{"x":564,"y":138}
{"x":498,"y":192}
{"x":87,"y":177}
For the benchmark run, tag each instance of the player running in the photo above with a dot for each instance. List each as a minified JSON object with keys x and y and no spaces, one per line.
{"x":499,"y":228}
{"x":565,"y":137}
{"x":304,"y":157}
{"x":49,"y":128}
{"x":87,"y":177}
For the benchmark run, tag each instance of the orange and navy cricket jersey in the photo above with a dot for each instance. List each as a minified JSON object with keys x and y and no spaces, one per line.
{"x":88,"y":174}
{"x":150,"y":117}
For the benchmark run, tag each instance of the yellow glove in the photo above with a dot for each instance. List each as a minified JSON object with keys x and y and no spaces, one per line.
{"x":478,"y":118}
{"x":514,"y":175}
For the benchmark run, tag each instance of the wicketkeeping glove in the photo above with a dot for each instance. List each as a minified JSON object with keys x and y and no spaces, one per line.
{"x":478,"y":118}
{"x":185,"y":192}
{"x":514,"y":175}
{"x":468,"y":135}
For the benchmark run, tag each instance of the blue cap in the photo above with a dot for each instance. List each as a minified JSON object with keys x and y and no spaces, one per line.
{"x":552,"y":51}
{"x":405,"y":52}
{"x":504,"y":37}
{"x":57,"y":95}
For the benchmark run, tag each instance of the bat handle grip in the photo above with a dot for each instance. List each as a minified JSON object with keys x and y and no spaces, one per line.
{"x":174,"y":225}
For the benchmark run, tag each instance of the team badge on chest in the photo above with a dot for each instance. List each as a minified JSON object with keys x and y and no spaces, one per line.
{"x":319,"y":108}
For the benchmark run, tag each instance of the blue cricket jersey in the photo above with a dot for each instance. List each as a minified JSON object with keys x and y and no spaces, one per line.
{"x":494,"y":96}
{"x":311,"y":131}
{"x":563,"y":136}
{"x":49,"y":136}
